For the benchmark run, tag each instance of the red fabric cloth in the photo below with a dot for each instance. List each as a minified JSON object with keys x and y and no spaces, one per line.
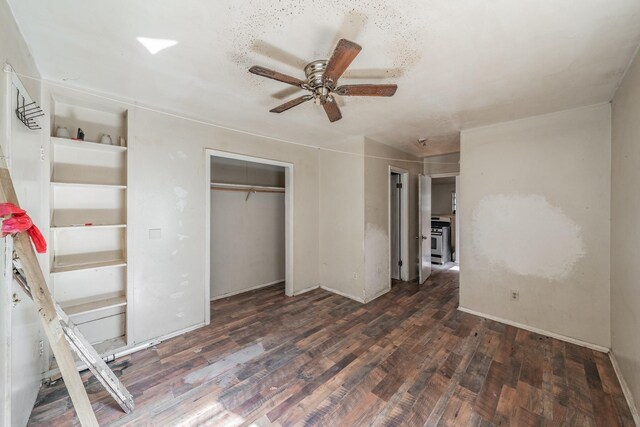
{"x":18,"y":222}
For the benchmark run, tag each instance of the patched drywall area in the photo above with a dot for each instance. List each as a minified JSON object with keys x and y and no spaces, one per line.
{"x":376,"y":248}
{"x":625,"y":229}
{"x":535,"y":239}
{"x":535,"y":218}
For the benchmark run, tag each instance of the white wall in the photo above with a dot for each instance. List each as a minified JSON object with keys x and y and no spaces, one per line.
{"x":535,"y":218}
{"x":167,"y":180}
{"x":247,"y":234}
{"x":342,"y":219}
{"x":625,"y":229}
{"x":247,"y":241}
{"x":446,"y":163}
{"x":376,"y":213}
{"x":441,"y":196}
{"x":20,"y":364}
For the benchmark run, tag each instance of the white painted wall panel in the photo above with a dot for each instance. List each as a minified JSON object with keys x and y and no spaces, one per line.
{"x":168,"y":183}
{"x":247,"y":241}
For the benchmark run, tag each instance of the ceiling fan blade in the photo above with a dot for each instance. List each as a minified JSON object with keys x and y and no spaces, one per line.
{"x":291,"y":104}
{"x":344,"y":53}
{"x":265,"y":72}
{"x":332,"y":110}
{"x":366,"y":90}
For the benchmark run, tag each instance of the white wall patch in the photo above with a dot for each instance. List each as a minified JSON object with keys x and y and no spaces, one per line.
{"x":526,"y":235}
{"x":182,"y":198}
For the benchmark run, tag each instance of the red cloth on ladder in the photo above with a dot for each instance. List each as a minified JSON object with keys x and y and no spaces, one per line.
{"x":18,"y":222}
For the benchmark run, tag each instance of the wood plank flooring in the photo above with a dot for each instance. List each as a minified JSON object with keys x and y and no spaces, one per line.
{"x":407,"y":358}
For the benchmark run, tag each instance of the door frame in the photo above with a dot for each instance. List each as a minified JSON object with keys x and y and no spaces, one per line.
{"x":288,"y":215}
{"x":404,"y":220}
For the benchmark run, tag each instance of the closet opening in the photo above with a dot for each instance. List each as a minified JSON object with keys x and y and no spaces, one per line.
{"x":248,"y":224}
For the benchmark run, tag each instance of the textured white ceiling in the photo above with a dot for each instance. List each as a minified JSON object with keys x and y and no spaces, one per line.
{"x":458,"y":64}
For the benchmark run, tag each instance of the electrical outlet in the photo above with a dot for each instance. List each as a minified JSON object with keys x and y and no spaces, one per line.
{"x":515,"y":295}
{"x":355,"y":276}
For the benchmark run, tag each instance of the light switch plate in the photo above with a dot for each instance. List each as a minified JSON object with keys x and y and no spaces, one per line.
{"x":155,"y":233}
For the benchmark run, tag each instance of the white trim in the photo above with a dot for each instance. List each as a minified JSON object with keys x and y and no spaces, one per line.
{"x":342,"y":294}
{"x":241,"y":291}
{"x":538,"y":331}
{"x":444,"y":175}
{"x":625,"y":389}
{"x":378,"y":295}
{"x":288,"y":214}
{"x":305,"y":290}
{"x":404,"y":222}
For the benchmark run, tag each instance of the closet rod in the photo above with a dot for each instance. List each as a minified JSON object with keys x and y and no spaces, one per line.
{"x":244,"y":188}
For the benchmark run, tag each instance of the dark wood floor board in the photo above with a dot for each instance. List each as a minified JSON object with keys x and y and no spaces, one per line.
{"x":407,"y":358}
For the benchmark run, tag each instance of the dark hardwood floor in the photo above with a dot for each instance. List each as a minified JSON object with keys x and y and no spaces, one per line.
{"x":407,"y":358}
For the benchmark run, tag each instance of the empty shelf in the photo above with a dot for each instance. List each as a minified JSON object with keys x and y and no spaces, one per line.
{"x":92,"y":306}
{"x":95,"y":265}
{"x":81,"y":185}
{"x":89,"y":226}
{"x":87,"y":145}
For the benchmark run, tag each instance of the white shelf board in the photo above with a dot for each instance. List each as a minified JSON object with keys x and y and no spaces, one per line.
{"x":97,"y":265}
{"x":77,"y":184}
{"x":86,"y":145}
{"x":92,"y":306}
{"x":87,"y":227}
{"x":245,"y":187}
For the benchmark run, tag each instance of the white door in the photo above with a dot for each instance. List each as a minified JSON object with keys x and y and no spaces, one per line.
{"x":20,"y":351}
{"x":424,"y":220}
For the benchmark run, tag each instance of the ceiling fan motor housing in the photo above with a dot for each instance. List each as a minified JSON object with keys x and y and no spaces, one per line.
{"x":320,"y":87}
{"x":315,"y":73}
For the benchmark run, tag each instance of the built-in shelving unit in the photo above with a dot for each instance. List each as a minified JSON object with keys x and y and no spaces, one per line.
{"x":88,"y":222}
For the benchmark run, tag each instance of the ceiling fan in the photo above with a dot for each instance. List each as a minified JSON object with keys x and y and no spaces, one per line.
{"x":322,"y":78}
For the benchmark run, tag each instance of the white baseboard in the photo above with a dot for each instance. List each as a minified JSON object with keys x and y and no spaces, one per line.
{"x":379,"y":294}
{"x":305,"y":290}
{"x":253,"y":288}
{"x":625,"y":389}
{"x":326,"y":288}
{"x":538,"y":331}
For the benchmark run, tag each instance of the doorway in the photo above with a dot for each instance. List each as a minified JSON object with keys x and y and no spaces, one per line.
{"x":398,"y":224}
{"x":444,"y":202}
{"x":249,"y":227}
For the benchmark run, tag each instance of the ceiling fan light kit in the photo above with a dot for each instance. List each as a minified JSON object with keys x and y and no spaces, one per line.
{"x":321,"y":80}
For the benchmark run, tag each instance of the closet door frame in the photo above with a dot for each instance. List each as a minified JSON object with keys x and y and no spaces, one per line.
{"x":288,"y":201}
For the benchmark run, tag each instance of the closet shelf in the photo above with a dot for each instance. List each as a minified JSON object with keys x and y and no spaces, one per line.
{"x":93,"y":306}
{"x":86,"y":145}
{"x":244,"y":187}
{"x":98,"y":265}
{"x":83,"y":185}
{"x":87,"y":227}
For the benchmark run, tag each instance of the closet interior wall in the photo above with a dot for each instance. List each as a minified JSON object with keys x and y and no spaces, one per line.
{"x":247,"y":226}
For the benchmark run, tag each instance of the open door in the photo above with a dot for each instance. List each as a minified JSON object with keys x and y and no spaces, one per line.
{"x":424,"y":219}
